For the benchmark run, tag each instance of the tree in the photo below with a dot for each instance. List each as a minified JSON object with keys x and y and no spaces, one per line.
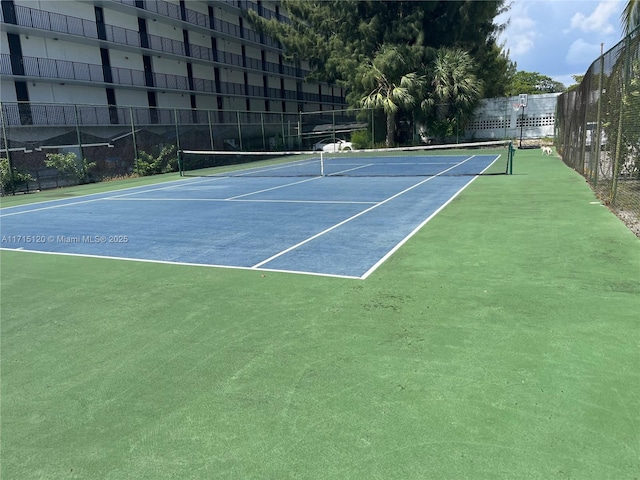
{"x":341,"y":39}
{"x":455,"y":90}
{"x":631,"y":16}
{"x":578,"y":79}
{"x":495,"y":69}
{"x":620,"y":113}
{"x":338,"y":36}
{"x":533,"y":83}
{"x":390,"y":87}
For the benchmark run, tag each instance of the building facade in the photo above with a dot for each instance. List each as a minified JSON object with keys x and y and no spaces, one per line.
{"x":91,"y":72}
{"x":155,"y":53}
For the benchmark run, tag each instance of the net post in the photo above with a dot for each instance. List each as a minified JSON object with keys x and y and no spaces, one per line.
{"x":6,"y":148}
{"x":321,"y":163}
{"x":180,"y":167}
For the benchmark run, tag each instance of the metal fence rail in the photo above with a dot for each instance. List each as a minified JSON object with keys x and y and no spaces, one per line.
{"x":114,"y":138}
{"x":598,"y":128}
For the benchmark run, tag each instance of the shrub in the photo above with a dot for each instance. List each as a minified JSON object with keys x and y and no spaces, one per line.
{"x":68,"y":165}
{"x":361,"y":139}
{"x":165,"y":162}
{"x":19,"y":178}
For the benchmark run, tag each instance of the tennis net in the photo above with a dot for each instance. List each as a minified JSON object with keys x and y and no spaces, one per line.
{"x":471,"y":159}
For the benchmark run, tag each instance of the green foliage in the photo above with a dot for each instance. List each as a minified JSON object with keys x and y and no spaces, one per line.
{"x":442,"y":129}
{"x":620,"y":115}
{"x":68,"y":165}
{"x":384,"y":53}
{"x":453,"y":81}
{"x":389,"y":86}
{"x":455,"y":93}
{"x":10,"y":180}
{"x":578,"y":79}
{"x":631,"y":16}
{"x":495,"y":69}
{"x":165,"y":161}
{"x":361,"y":139}
{"x":339,"y":36}
{"x":533,"y":83}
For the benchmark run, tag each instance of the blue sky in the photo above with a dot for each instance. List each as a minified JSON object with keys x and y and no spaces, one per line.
{"x":560,"y":38}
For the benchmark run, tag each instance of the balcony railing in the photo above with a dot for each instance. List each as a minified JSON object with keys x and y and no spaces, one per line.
{"x":38,"y":67}
{"x":61,"y":69}
{"x":200,"y":19}
{"x":55,"y":22}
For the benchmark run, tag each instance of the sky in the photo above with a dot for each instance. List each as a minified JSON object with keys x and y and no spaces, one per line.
{"x":560,"y":38}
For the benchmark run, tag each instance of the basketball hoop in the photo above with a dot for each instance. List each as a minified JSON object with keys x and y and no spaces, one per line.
{"x":522,"y":99}
{"x":517,"y":107}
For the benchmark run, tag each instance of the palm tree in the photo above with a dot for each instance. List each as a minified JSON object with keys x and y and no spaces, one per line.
{"x":631,"y":16}
{"x":455,"y":88}
{"x":389,"y":86}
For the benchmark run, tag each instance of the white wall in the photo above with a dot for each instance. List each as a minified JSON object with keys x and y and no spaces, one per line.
{"x":134,"y":98}
{"x":8,"y":90}
{"x":173,"y":100}
{"x":66,"y":93}
{"x":496,"y":118}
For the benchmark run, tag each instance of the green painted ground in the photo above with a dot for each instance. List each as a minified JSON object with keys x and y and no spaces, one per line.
{"x":501,"y":342}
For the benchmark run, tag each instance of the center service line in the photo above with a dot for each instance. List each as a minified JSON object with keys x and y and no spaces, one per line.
{"x":258,"y":265}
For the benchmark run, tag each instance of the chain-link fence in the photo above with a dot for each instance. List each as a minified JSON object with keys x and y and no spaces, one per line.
{"x":123,"y":141}
{"x":598,"y":128}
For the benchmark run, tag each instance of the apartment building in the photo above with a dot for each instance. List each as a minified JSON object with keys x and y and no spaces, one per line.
{"x":104,"y":65}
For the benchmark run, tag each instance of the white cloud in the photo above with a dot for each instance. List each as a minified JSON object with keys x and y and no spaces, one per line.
{"x":598,"y":21}
{"x":579,"y":51}
{"x":520,"y":44}
{"x":559,"y":37}
{"x":521,"y":32}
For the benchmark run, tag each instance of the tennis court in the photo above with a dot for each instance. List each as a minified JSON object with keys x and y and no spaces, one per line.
{"x":339,"y":218}
{"x":499,"y":342}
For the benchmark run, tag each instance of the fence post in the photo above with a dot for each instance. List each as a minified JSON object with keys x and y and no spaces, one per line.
{"x":239,"y":130}
{"x":6,"y":146}
{"x":135,"y":143}
{"x":373,"y":129}
{"x":333,"y":124}
{"x":79,"y":136}
{"x":175,"y":117}
{"x":618,"y":152}
{"x":599,"y":118}
{"x":210,"y":128}
{"x":583,"y":146}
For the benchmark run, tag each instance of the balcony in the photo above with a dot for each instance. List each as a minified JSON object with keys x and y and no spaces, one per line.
{"x":65,"y":24}
{"x":51,"y":69}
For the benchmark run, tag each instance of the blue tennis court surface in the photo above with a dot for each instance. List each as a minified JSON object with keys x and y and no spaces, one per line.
{"x":337,"y":226}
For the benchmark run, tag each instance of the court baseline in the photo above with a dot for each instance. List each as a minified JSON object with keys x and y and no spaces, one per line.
{"x":332,"y":226}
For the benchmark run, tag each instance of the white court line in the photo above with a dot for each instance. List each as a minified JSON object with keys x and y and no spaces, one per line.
{"x":110,"y":196}
{"x":257,"y":266}
{"x":3,"y":215}
{"x":339,"y":202}
{"x":415,"y":230}
{"x":255,"y":170}
{"x":168,"y":262}
{"x":317,"y":235}
{"x":106,"y":196}
{"x":273,"y":188}
{"x":341,"y":172}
